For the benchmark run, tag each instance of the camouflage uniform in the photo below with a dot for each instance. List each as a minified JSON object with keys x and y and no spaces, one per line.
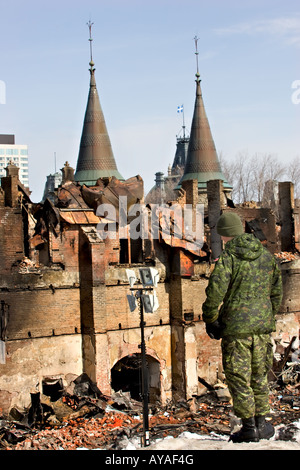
{"x":247,"y":280}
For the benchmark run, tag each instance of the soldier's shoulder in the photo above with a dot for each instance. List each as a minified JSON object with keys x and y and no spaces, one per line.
{"x":268,"y":256}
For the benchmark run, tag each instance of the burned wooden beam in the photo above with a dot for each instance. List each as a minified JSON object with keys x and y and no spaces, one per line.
{"x":254,"y":227}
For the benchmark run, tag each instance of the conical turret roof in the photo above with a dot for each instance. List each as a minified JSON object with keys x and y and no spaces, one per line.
{"x":181,"y":153}
{"x":95,"y":159}
{"x":202,"y":162}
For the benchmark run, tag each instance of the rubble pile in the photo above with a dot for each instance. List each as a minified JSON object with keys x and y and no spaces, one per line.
{"x":285,"y":256}
{"x":86,"y":433}
{"x":26,"y":265}
{"x":80,"y":416}
{"x":115,"y":428}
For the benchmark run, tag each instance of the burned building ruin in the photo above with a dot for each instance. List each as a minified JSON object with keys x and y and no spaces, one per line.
{"x":63,"y":286}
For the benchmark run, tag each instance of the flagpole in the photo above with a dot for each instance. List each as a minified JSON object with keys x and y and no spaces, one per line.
{"x":183,"y":124}
{"x":180,"y":109}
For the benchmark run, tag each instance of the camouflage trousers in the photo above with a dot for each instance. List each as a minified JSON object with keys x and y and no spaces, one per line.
{"x":246,"y":364}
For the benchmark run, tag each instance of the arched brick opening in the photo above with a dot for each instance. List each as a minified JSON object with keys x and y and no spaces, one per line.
{"x":126,"y":375}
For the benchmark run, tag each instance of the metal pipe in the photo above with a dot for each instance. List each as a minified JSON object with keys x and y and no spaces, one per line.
{"x":145,"y":382}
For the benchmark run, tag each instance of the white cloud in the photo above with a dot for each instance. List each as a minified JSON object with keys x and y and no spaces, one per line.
{"x":287,"y":28}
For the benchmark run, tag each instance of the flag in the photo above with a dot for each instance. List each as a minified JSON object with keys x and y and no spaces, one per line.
{"x":180,"y":109}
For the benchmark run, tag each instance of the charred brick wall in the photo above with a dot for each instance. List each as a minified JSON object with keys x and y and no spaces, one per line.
{"x":41,"y":304}
{"x":286,"y":207}
{"x":11,"y":238}
{"x":80,"y":299}
{"x":64,"y":248}
{"x":190,"y":348}
{"x":30,"y":360}
{"x":291,"y":293}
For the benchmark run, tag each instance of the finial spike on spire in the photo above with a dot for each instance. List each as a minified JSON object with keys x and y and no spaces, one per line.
{"x":197,"y":53}
{"x":90,"y":24}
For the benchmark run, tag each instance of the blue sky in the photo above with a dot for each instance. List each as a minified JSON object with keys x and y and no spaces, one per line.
{"x":144,"y":55}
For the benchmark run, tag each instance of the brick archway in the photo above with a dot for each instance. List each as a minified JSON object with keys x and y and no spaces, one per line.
{"x":126,"y":375}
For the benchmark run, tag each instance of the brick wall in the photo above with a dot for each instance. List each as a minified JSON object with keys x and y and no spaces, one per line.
{"x":30,"y":360}
{"x":64,"y":248}
{"x":118,"y":315}
{"x":11,"y":238}
{"x":43,"y":312}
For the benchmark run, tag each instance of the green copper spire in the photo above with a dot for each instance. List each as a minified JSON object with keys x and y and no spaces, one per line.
{"x":202,"y":162}
{"x":95,"y":159}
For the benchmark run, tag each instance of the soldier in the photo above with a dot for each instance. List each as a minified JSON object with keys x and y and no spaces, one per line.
{"x":247,"y":282}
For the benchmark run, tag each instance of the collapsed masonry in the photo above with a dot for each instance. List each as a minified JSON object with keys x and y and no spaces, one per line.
{"x":63,"y":289}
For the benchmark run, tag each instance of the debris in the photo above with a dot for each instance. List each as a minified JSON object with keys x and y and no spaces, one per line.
{"x":285,"y":256}
{"x":281,"y":363}
{"x":88,"y":419}
{"x":28,"y":266}
{"x":223,"y":394}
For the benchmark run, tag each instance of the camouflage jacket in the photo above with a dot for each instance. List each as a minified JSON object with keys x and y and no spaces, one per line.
{"x":247,"y":282}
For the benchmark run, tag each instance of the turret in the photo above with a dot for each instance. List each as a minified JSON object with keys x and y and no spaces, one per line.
{"x":95,"y":159}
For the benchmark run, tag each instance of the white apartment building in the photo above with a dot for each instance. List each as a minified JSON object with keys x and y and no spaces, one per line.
{"x":15,"y":153}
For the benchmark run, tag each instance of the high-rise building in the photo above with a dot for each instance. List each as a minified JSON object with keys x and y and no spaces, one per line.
{"x":15,"y":153}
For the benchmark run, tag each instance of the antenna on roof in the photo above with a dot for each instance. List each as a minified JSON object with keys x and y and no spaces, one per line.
{"x":90,"y":24}
{"x":197,"y":53}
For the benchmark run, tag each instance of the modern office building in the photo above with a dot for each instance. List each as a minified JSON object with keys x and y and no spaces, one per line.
{"x":15,"y":153}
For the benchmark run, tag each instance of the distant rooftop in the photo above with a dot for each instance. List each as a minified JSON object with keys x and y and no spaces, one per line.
{"x":7,"y":139}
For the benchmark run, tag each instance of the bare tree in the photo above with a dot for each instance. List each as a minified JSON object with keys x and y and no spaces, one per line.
{"x":238,"y":173}
{"x":293,"y":174}
{"x":265,"y":168}
{"x":249,"y":174}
